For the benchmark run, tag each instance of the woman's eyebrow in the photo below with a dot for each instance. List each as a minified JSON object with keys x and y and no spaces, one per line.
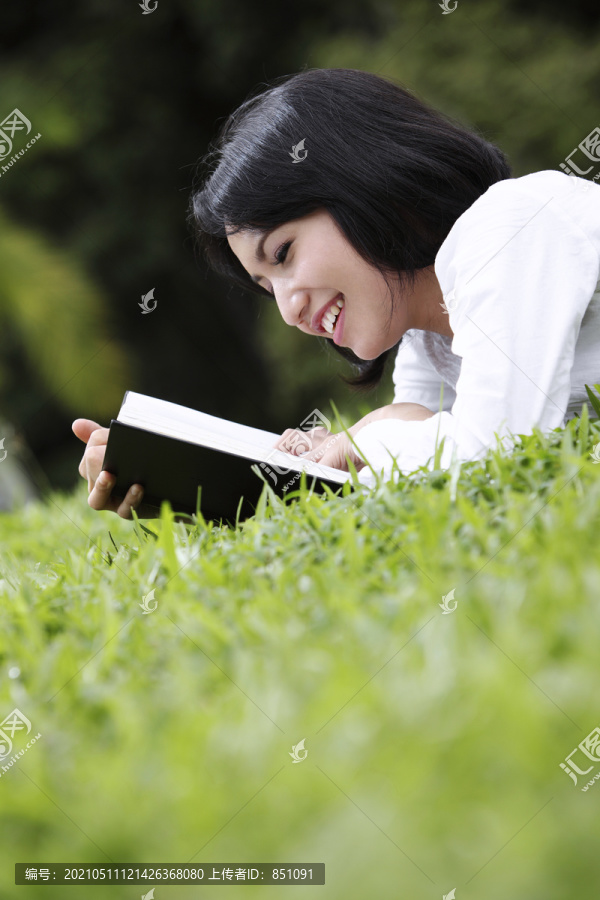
{"x":259,"y":254}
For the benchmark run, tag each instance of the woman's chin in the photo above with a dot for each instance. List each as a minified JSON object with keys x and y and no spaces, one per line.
{"x":366,"y":353}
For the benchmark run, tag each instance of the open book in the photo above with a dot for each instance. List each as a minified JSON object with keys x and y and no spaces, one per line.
{"x":173,"y":451}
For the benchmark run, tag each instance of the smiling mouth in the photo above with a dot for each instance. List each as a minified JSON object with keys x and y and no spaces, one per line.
{"x":329,"y":318}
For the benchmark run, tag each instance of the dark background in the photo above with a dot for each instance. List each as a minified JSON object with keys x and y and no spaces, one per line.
{"x":92,"y":217}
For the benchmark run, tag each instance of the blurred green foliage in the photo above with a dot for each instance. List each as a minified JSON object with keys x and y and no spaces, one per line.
{"x":526,"y":82}
{"x":57,"y":317}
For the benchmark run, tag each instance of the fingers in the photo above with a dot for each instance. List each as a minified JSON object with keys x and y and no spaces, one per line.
{"x":96,"y":439}
{"x":286,"y":441}
{"x":328,"y":454}
{"x":100,"y":482}
{"x":92,"y":461}
{"x":334,"y":453}
{"x":132,"y":500}
{"x":83,"y":428}
{"x":100,"y":496}
{"x":298,"y":442}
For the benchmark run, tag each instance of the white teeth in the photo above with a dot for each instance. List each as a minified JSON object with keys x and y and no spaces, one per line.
{"x":328,"y":323}
{"x":329,"y":319}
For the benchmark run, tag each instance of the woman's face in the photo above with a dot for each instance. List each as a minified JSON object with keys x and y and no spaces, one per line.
{"x":317,"y":267}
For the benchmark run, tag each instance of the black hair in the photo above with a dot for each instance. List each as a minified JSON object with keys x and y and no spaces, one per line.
{"x":394,"y":174}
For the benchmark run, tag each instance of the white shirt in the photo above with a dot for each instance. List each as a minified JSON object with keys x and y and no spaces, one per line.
{"x":520,"y":275}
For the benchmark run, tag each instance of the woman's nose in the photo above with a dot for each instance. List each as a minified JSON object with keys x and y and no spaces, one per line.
{"x":294,"y":308}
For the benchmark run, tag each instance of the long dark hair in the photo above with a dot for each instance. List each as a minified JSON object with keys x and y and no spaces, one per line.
{"x":393,"y":173}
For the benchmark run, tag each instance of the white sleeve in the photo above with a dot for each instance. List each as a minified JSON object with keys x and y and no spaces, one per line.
{"x":523,"y":273}
{"x":415,"y":379}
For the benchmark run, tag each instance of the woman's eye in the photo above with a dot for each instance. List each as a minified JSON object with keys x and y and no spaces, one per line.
{"x":282,"y":253}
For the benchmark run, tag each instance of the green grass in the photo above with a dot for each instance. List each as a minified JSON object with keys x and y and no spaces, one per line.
{"x":434,"y":741}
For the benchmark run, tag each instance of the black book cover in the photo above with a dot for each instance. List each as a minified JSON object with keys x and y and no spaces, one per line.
{"x":172,"y":469}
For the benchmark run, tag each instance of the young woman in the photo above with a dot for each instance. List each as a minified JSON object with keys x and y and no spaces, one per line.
{"x":380,"y":226}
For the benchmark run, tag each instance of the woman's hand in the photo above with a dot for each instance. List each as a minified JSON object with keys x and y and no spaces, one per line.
{"x":298,"y":442}
{"x":101,"y":483}
{"x":319,"y":445}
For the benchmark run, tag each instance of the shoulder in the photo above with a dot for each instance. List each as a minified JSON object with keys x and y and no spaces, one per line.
{"x":514,"y":215}
{"x":575,"y":200}
{"x":546,"y":185}
{"x":509,"y":200}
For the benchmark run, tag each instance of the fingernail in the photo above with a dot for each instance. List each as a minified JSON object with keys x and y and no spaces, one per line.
{"x":136,"y":491}
{"x":103,"y":479}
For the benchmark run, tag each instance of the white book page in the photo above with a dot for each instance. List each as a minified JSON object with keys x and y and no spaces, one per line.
{"x":142,"y":410}
{"x":174,"y":420}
